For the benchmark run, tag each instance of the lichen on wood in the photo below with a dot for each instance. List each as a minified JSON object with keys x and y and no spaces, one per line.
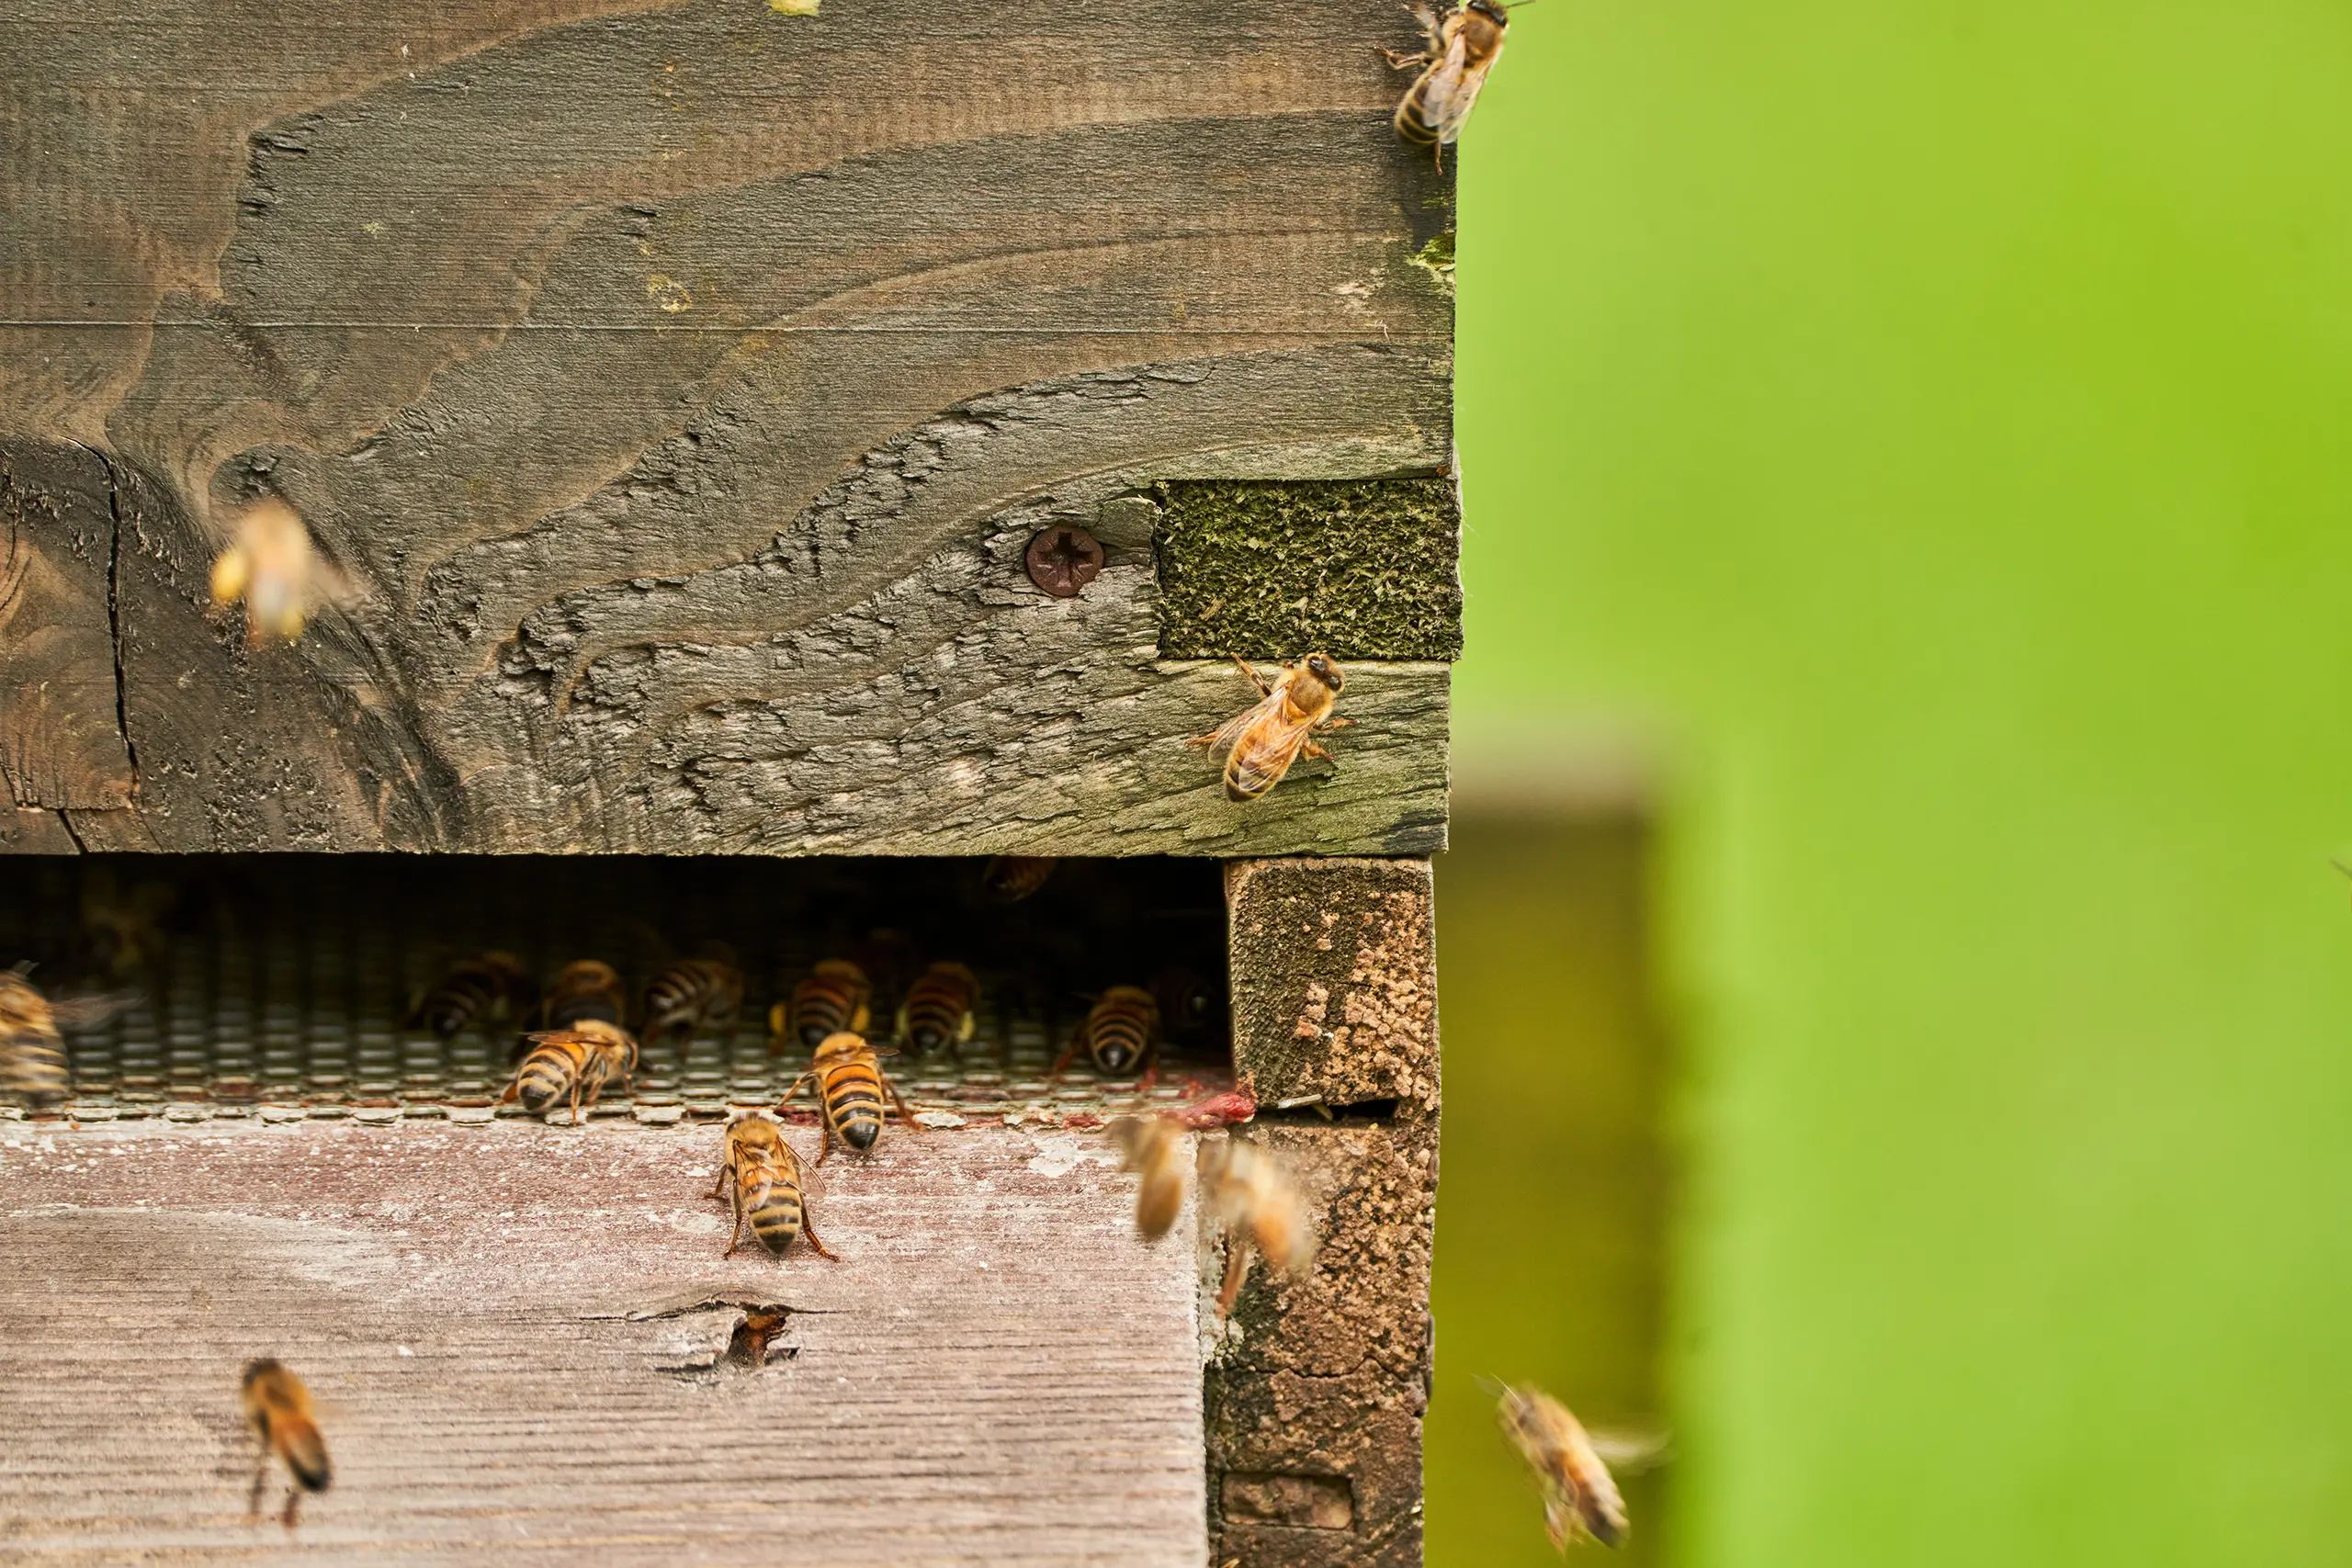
{"x":1273,"y":569}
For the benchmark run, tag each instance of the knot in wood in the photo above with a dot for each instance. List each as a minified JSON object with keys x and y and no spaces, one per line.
{"x":1063,"y":559}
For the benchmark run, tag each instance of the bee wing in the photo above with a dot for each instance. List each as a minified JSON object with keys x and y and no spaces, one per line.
{"x":90,"y":1011}
{"x":1266,"y":748}
{"x":1452,"y":91}
{"x":1232,"y":728}
{"x":1631,"y":1450}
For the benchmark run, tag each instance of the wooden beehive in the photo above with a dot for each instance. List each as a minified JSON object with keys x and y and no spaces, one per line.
{"x":681,"y":389}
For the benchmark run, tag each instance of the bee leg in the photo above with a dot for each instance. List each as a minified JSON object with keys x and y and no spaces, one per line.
{"x":790,"y":1092}
{"x":825,"y":1149}
{"x":735,"y":1207}
{"x":293,"y":1502}
{"x":513,"y":1089}
{"x":1312,"y":750}
{"x":719,"y":1186}
{"x":1255,"y":679}
{"x":1150,"y":1073}
{"x":904,"y":1114}
{"x":1339,"y":723}
{"x":810,"y":1232}
{"x":1399,"y":60}
{"x":1236,"y":1266}
{"x":261,"y":1479}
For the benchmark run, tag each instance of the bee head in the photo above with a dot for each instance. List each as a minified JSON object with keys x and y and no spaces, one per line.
{"x":1490,"y":10}
{"x":1320,"y":666}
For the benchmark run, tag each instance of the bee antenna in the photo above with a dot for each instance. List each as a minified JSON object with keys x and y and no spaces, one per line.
{"x":2338,"y":864}
{"x":1488,"y":1381}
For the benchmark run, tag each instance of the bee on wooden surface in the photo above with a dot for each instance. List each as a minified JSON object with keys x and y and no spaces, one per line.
{"x":586,"y":991}
{"x":1263,"y":742}
{"x":1152,"y":1147}
{"x":1010,"y":878}
{"x":1120,"y":1035}
{"x":835,"y":998}
{"x":1253,"y":1197}
{"x":939,"y":1009}
{"x":279,"y":1408}
{"x":574,"y":1063}
{"x":761,"y":1175}
{"x":695,"y":991}
{"x":486,"y":989}
{"x":1462,"y":48}
{"x":851,"y":1084}
{"x":32,"y":1042}
{"x":273,"y":566}
{"x":1580,"y":1497}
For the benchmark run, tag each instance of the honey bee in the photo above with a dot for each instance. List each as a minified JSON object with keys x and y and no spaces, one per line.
{"x":695,"y":991}
{"x":575,"y":1063}
{"x":272,"y":565}
{"x":761,"y":1175}
{"x":1253,"y":1197}
{"x":32,"y":1042}
{"x":1120,"y":1035}
{"x":1264,"y":742}
{"x":584,"y":992}
{"x":487,"y":988}
{"x":1462,"y":48}
{"x":851,"y":1083}
{"x":833,"y":999}
{"x":938,"y":1009}
{"x":1190,"y":1008}
{"x":1010,"y":878}
{"x":1152,"y":1147}
{"x":1580,"y":1497}
{"x":279,"y":1408}
{"x":122,"y":927}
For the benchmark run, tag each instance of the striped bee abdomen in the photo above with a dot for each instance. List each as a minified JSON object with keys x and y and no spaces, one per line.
{"x":32,"y":1063}
{"x":833,"y":999}
{"x":938,"y":1009}
{"x":549,"y":1073}
{"x":475,"y":991}
{"x":691,"y":992}
{"x":585,"y":992}
{"x":1122,"y":1030}
{"x":773,"y":1205}
{"x":854,"y":1103}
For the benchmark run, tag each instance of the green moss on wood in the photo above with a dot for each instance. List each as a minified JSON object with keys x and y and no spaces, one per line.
{"x":1271,"y":569}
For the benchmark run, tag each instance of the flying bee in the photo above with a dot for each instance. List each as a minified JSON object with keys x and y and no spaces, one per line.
{"x":939,"y":1009}
{"x":1120,"y":1034}
{"x":1461,"y":49}
{"x":1262,"y":742}
{"x":32,"y":1041}
{"x":123,"y":924}
{"x":851,"y":1083}
{"x":273,"y":566}
{"x":1253,"y":1197}
{"x":761,"y":1176}
{"x":279,"y":1408}
{"x":695,"y":991}
{"x":835,"y":998}
{"x":584,"y":992}
{"x":1009,"y":879}
{"x":575,"y":1063}
{"x":1580,"y":1497}
{"x":485,"y":989}
{"x":1152,"y":1147}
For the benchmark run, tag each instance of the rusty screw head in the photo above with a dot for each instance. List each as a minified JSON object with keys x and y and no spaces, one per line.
{"x":1064,"y":559}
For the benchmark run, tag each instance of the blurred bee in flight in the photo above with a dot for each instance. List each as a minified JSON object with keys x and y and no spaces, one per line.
{"x":693,"y":992}
{"x":851,"y":1084}
{"x":938,"y":1009}
{"x":32,"y":1042}
{"x":485,"y":990}
{"x":573,"y":1064}
{"x":1120,"y":1035}
{"x":1462,"y":48}
{"x":1009,"y":879}
{"x":123,"y":924}
{"x":279,"y":1408}
{"x":1580,"y":1497}
{"x":1152,"y":1148}
{"x":1263,"y":742}
{"x":761,"y":1178}
{"x":1252,"y":1194}
{"x":835,"y":998}
{"x":272,"y":564}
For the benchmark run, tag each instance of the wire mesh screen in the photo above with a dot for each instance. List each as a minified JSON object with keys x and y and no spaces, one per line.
{"x":282,"y":986}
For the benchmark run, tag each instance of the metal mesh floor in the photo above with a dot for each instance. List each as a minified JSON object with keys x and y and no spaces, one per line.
{"x":278,"y":986}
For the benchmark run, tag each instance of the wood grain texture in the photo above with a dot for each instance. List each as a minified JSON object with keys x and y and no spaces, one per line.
{"x":678,"y":385}
{"x":60,"y":739}
{"x":500,"y":1325}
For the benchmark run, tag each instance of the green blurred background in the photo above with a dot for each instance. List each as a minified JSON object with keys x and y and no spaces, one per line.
{"x":1896,"y":990}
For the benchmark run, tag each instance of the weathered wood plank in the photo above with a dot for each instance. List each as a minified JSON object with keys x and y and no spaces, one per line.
{"x":673,"y":381}
{"x":996,"y":1371}
{"x":60,"y":739}
{"x":1316,"y":1393}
